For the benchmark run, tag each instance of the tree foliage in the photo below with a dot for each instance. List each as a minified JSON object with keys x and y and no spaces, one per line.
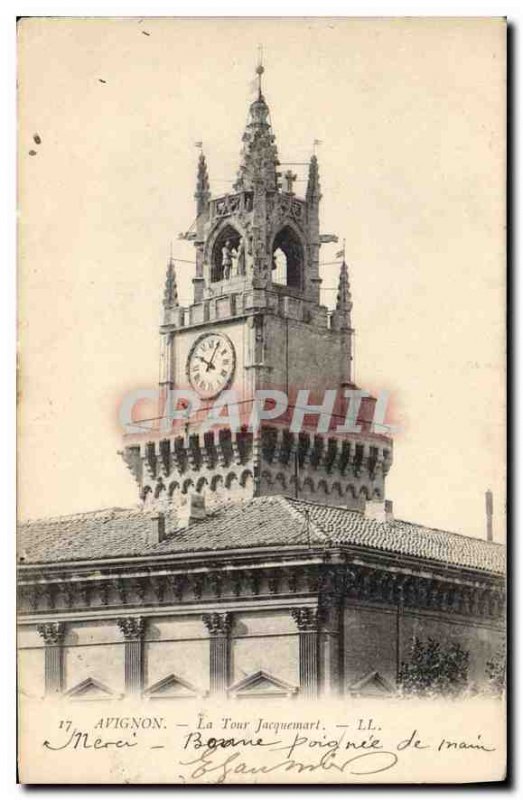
{"x":433,"y":669}
{"x":495,"y":670}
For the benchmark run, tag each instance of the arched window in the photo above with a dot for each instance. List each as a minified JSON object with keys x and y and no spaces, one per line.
{"x":226,"y":255}
{"x":287,"y":259}
{"x":279,"y":265}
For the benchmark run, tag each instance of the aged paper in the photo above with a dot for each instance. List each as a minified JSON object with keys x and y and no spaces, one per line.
{"x":262,"y":409}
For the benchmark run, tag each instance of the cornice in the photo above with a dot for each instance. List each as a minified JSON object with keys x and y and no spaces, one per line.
{"x":333,"y":584}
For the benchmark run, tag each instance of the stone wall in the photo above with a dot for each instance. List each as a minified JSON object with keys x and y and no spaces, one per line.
{"x":180,"y":655}
{"x":371,"y":640}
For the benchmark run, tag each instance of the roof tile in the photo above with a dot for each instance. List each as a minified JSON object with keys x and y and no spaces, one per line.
{"x":260,"y":522}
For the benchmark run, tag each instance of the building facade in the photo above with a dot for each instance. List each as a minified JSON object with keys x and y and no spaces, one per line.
{"x":264,"y":559}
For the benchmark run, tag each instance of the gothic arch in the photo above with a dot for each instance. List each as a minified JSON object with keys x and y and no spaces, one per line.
{"x":173,"y":487}
{"x":225,"y":231}
{"x":288,"y":242}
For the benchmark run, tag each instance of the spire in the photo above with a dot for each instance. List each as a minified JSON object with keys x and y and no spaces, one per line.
{"x":203,"y":193}
{"x":170,"y":294}
{"x":343,"y":298}
{"x":313,"y":183}
{"x":260,"y":69}
{"x":259,"y":156}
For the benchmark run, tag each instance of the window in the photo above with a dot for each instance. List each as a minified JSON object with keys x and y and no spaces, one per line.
{"x":227,"y":258}
{"x":287,"y":259}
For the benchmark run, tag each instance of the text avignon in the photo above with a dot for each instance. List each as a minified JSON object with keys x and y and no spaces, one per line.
{"x":130,"y":723}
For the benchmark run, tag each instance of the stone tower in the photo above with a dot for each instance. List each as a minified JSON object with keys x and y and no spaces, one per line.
{"x":257,"y":324}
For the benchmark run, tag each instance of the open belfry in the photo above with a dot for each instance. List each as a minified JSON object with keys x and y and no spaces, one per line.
{"x":262,"y":558}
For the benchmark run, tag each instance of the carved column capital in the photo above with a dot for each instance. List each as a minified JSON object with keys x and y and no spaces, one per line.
{"x":51,"y":632}
{"x":53,"y":636}
{"x":133,"y":628}
{"x":218,"y":624}
{"x":306,"y":619}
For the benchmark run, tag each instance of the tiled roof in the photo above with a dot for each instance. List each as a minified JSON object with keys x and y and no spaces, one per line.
{"x":261,"y":522}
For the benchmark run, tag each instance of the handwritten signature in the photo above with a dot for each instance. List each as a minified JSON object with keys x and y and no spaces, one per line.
{"x":362,"y":764}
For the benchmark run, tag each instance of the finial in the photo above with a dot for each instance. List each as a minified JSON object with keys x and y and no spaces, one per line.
{"x":313,"y":194}
{"x":260,"y":69}
{"x":343,"y":298}
{"x":203,"y":193}
{"x":315,"y":144}
{"x":259,"y":156}
{"x":170,"y":295}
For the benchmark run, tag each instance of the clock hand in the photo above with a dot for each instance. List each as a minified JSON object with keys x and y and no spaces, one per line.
{"x":211,"y":365}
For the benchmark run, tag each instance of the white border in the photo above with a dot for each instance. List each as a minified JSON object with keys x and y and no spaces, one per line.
{"x":9,"y":9}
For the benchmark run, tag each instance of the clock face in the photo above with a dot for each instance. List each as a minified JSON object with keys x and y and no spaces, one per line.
{"x":210,"y":365}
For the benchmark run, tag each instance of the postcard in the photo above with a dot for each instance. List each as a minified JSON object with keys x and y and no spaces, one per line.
{"x":262,"y":408}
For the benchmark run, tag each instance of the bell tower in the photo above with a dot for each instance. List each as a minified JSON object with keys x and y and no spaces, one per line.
{"x":257,"y":325}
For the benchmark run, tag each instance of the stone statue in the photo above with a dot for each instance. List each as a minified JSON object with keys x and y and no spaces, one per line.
{"x":228,"y":253}
{"x":240,"y":258}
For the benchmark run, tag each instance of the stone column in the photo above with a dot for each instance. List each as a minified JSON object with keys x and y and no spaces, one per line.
{"x":219,"y":627}
{"x":133,"y":629}
{"x":307,"y":620}
{"x":53,"y":635}
{"x":332,"y":647}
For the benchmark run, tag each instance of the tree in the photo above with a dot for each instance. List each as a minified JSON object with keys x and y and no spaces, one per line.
{"x":495,"y":670}
{"x":434,"y":670}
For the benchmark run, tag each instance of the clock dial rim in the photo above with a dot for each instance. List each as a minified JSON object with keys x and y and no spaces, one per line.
{"x":195,"y":344}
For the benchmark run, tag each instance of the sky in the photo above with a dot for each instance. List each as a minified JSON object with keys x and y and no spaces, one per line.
{"x":411,"y":118}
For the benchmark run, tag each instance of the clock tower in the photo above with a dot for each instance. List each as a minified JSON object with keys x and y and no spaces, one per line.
{"x":256,"y":325}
